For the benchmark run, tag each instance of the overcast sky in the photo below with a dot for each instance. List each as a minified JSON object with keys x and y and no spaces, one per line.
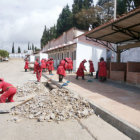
{"x":22,"y":21}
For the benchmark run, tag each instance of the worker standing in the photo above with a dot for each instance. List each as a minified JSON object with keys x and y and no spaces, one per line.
{"x":102,"y":70}
{"x":50,"y":65}
{"x":8,"y":91}
{"x":80,"y":71}
{"x":38,"y":71}
{"x":70,"y":65}
{"x":43,"y":65}
{"x":26,"y":65}
{"x":35,"y":65}
{"x":91,"y":67}
{"x":61,"y":70}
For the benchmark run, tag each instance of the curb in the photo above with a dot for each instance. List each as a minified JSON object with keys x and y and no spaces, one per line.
{"x":122,"y":125}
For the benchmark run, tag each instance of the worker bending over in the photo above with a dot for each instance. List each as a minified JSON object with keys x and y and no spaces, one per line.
{"x":8,"y":91}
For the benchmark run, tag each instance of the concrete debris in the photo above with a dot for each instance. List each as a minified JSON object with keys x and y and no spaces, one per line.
{"x":55,"y":105}
{"x":16,"y":119}
{"x":30,"y":88}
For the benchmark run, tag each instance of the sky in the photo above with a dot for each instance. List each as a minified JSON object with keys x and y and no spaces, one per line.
{"x":23,"y":21}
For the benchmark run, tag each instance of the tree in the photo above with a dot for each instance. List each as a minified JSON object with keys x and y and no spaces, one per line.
{"x":87,"y":18}
{"x":64,"y":21}
{"x":107,"y":11}
{"x":28,"y":45}
{"x":37,"y":49}
{"x":77,"y":7}
{"x":137,"y":3}
{"x":121,"y":7}
{"x":33,"y":49}
{"x":4,"y":53}
{"x":19,"y":50}
{"x":13,"y":48}
{"x":44,"y":37}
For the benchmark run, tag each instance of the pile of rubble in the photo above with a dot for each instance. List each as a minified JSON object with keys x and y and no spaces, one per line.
{"x":56,"y":105}
{"x":30,"y":88}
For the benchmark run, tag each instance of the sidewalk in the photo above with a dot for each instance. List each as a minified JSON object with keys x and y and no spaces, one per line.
{"x":122,"y":101}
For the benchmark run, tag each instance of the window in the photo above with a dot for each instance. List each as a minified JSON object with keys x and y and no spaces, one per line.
{"x":67,"y":54}
{"x":74,"y":55}
{"x":62,"y":56}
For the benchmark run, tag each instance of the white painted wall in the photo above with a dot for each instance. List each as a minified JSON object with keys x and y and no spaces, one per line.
{"x":131,"y":55}
{"x":89,"y":52}
{"x":17,"y":55}
{"x":41,"y":56}
{"x":32,"y":58}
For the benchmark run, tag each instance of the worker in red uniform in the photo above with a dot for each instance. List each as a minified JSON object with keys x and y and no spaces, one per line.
{"x":8,"y":91}
{"x":47,"y":64}
{"x":102,"y":70}
{"x":80,"y":71}
{"x":91,"y":67}
{"x":26,"y":65}
{"x":43,"y":65}
{"x":50,"y":65}
{"x":70,"y":65}
{"x":35,"y":64}
{"x":38,"y":71}
{"x":61,"y":70}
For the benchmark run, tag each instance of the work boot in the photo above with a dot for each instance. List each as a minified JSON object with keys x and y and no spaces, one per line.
{"x":83,"y":78}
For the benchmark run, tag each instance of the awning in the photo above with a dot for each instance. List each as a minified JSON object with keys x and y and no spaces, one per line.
{"x":123,"y":29}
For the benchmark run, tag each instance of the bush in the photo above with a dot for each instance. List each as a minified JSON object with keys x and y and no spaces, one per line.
{"x":4,"y":53}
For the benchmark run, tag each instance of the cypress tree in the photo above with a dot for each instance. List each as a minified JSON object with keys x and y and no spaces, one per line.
{"x":13,"y":48}
{"x":19,"y":50}
{"x":28,"y":45}
{"x":64,"y":21}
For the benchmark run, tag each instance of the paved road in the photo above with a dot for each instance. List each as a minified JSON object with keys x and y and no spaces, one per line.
{"x":86,"y":129}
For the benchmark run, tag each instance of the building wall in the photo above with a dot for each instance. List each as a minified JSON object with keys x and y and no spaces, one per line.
{"x":41,"y":56}
{"x":89,"y":52}
{"x":65,"y":38}
{"x":131,"y":55}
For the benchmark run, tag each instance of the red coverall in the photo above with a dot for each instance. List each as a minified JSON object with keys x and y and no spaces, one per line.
{"x":50,"y":66}
{"x":38,"y":72}
{"x":70,"y":64}
{"x":47,"y":64}
{"x":8,"y":91}
{"x":26,"y":64}
{"x":43,"y":64}
{"x":80,"y":71}
{"x":91,"y":66}
{"x":35,"y":65}
{"x":61,"y":68}
{"x":102,"y":69}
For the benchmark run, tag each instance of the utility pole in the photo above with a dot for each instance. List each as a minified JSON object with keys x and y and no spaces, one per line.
{"x":115,"y":9}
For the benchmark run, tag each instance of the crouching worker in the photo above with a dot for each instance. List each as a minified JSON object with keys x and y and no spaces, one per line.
{"x":8,"y":91}
{"x":61,"y":70}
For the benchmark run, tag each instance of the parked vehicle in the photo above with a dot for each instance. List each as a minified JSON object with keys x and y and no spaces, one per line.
{"x":5,"y":59}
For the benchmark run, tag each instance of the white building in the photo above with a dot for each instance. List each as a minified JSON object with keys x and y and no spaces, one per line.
{"x":131,"y":55}
{"x":73,"y":44}
{"x":40,"y":56}
{"x":20,"y":55}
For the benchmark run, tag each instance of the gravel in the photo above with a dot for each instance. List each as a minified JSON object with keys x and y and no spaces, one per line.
{"x":54,"y":105}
